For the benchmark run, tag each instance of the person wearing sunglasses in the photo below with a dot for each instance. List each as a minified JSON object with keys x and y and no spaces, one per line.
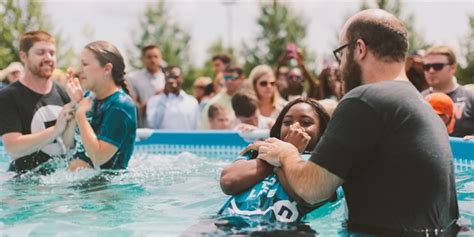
{"x":219,"y":63}
{"x":233,"y":80}
{"x":296,"y":76}
{"x":439,"y":65}
{"x":384,"y":144}
{"x":262,"y":79}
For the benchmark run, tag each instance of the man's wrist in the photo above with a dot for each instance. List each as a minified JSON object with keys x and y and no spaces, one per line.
{"x":294,"y":155}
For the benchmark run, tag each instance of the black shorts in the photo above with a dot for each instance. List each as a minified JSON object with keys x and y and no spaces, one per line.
{"x":27,"y":163}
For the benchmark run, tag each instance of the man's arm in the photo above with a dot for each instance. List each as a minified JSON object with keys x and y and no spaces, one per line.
{"x":308,"y":180}
{"x":18,"y":145}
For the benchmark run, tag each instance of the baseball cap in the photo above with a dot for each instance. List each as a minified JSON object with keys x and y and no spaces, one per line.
{"x":444,"y":107}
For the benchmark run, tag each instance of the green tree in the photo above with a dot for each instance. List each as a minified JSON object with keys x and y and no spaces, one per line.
{"x":156,"y":27}
{"x":466,"y":75}
{"x":415,"y":39}
{"x":19,"y":16}
{"x":279,"y":25}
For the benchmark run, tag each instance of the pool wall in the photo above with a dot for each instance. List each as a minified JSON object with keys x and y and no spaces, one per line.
{"x":227,"y":144}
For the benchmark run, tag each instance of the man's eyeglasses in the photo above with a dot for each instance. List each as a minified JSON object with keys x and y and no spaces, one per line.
{"x":294,"y":78}
{"x":230,"y":77}
{"x":435,"y":66}
{"x":338,"y":52}
{"x":265,"y":83}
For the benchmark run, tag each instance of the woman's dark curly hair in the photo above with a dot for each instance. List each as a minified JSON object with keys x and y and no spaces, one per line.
{"x":318,"y":108}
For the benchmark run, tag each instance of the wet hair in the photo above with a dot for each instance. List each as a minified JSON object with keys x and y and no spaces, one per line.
{"x":149,"y":47}
{"x":442,"y":50}
{"x":244,"y":103}
{"x":106,"y":52}
{"x":385,"y":39}
{"x":28,"y":39}
{"x":323,"y":115}
{"x":223,"y":58}
{"x":214,"y":110}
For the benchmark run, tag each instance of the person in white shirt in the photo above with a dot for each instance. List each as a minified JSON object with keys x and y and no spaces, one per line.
{"x":147,"y":82}
{"x":173,"y":109}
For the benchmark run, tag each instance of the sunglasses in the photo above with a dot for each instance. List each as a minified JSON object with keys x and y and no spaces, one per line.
{"x":230,"y":78}
{"x":199,"y":87}
{"x":435,"y":66}
{"x":265,"y":83}
{"x":294,"y":78}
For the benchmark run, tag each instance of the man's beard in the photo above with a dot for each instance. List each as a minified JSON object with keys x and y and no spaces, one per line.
{"x":295,"y":88}
{"x":41,"y":72}
{"x":351,"y":74}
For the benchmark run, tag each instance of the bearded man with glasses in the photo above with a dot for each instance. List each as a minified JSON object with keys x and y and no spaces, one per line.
{"x":439,"y":65}
{"x":384,"y":145}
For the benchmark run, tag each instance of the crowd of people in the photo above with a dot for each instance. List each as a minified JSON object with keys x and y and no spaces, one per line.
{"x":365,"y":122}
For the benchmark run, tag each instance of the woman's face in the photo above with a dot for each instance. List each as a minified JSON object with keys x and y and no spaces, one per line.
{"x":265,"y":86}
{"x":91,"y":69}
{"x":302,"y":115}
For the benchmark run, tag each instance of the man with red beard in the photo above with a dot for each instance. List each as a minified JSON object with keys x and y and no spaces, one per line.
{"x":384,"y":144}
{"x":34,"y":109}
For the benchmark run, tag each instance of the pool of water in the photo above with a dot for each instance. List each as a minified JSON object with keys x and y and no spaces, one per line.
{"x":159,"y":194}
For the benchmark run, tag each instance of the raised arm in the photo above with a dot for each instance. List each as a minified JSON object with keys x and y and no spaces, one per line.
{"x":98,"y":151}
{"x":312,"y":86}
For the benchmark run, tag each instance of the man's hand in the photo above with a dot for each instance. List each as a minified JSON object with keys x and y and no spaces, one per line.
{"x":298,"y":137}
{"x":64,"y":116}
{"x":273,"y":151}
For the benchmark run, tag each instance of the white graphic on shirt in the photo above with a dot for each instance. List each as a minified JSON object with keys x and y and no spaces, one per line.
{"x":284,"y":210}
{"x":44,"y":118}
{"x":459,"y":108}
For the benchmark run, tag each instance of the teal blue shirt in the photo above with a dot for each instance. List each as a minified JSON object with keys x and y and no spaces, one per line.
{"x":266,"y":202}
{"x":114,"y":120}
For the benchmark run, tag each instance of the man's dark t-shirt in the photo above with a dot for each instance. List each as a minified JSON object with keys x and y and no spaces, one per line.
{"x":393,"y":153}
{"x":463,"y":100}
{"x":26,"y":112}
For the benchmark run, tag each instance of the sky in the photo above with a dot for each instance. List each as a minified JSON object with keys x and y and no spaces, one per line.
{"x":440,"y":22}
